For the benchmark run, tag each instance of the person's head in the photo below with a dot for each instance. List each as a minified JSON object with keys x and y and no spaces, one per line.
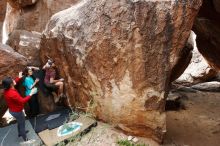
{"x":28,"y":71}
{"x":8,"y":82}
{"x":51,"y":63}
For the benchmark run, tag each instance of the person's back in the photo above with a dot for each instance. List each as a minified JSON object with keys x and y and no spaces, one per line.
{"x":15,"y":104}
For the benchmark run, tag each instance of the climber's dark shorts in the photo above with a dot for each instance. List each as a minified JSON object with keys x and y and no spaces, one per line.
{"x":51,"y":86}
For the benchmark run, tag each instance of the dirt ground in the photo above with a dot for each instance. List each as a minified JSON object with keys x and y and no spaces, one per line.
{"x":198,"y":124}
{"x":106,"y":135}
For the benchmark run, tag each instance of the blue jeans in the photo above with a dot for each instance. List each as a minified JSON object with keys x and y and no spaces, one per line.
{"x":19,"y":116}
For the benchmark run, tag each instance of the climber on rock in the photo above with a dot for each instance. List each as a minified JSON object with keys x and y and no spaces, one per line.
{"x":16,"y":103}
{"x":51,"y":81}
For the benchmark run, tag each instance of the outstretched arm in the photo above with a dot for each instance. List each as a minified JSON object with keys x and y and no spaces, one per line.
{"x":35,"y":82}
{"x":46,"y":66}
{"x":17,"y":79}
{"x":34,"y":68}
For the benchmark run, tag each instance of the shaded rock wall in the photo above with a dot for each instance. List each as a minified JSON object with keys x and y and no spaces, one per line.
{"x":207,"y":29}
{"x":116,"y":57}
{"x":216,"y":4}
{"x":3,"y":105}
{"x":183,"y":60}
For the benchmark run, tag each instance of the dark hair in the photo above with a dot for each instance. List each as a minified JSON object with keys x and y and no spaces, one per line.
{"x":6,"y":82}
{"x":25,"y":73}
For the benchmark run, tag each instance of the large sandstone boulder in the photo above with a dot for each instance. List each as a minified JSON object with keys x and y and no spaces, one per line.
{"x":11,"y":62}
{"x":116,"y":57}
{"x":35,"y":17}
{"x":2,"y":16}
{"x":26,"y":43}
{"x":207,"y":29}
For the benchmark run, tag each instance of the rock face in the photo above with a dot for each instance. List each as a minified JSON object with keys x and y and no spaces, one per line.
{"x":207,"y":29}
{"x":25,"y":16}
{"x":116,"y":57}
{"x":2,"y":16}
{"x":213,"y":86}
{"x":32,"y":15}
{"x":18,"y":4}
{"x":183,"y":60}
{"x":11,"y":63}
{"x":27,"y":44}
{"x":198,"y":70}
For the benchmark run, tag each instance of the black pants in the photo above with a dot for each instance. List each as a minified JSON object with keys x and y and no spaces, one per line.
{"x":34,"y":105}
{"x":19,"y":116}
{"x":51,"y":87}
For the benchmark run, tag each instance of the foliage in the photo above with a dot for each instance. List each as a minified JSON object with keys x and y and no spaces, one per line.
{"x":70,"y":140}
{"x":128,"y":143}
{"x":73,"y":116}
{"x":62,"y":143}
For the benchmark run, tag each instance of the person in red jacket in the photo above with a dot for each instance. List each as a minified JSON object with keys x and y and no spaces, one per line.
{"x":16,"y":103}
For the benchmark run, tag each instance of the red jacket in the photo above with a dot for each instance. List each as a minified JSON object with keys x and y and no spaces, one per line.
{"x":14,"y":100}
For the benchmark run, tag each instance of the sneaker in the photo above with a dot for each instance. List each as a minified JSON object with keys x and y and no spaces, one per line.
{"x":25,"y":132}
{"x":63,"y":96}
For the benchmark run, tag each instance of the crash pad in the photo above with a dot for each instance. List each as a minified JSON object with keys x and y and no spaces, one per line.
{"x":79,"y":127}
{"x":9,"y":135}
{"x":50,"y":121}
